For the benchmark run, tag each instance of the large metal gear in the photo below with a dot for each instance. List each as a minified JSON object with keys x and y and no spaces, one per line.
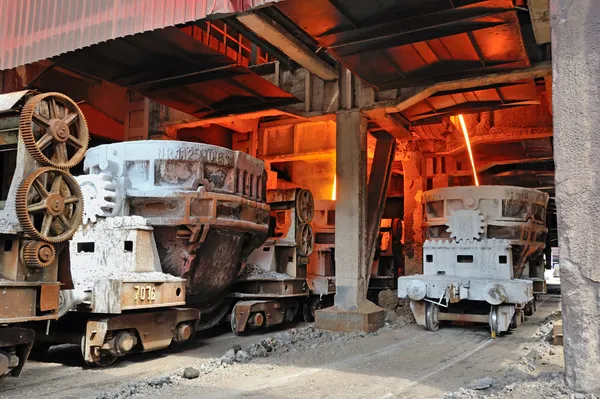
{"x":305,"y":206}
{"x":54,"y":130}
{"x":38,"y":254}
{"x":49,"y":205}
{"x":305,"y":239}
{"x":466,"y":225}
{"x":102,"y":196}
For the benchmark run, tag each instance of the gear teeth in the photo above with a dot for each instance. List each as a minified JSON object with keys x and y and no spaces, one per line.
{"x":26,"y":132}
{"x":101,"y":196}
{"x":31,"y":254}
{"x":21,"y":206}
{"x":23,"y":214}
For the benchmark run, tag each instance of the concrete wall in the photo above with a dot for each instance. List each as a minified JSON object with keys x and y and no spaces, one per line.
{"x":576,"y":106}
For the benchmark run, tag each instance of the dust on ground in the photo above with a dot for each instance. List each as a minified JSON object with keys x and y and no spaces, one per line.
{"x":284,"y":346}
{"x":529,"y":377}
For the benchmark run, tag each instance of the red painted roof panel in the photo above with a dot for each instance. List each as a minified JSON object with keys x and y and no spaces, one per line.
{"x":33,"y":30}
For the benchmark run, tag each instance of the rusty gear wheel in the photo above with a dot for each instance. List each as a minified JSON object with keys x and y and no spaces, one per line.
{"x":49,"y":205}
{"x":305,"y":239}
{"x":305,"y":206}
{"x":54,"y":130}
{"x":38,"y":254}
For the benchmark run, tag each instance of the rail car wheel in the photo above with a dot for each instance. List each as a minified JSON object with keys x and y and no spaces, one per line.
{"x":305,"y":206}
{"x":305,"y":239}
{"x":49,"y":205}
{"x":310,"y":307}
{"x":213,"y":314}
{"x":528,"y":309}
{"x":290,"y":315}
{"x":234,"y":324}
{"x":39,"y":350}
{"x":431,"y":317}
{"x":101,"y":359}
{"x":54,"y":130}
{"x":495,"y":329}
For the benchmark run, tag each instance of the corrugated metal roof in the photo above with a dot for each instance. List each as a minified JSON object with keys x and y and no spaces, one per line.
{"x":176,"y":69}
{"x":33,"y":30}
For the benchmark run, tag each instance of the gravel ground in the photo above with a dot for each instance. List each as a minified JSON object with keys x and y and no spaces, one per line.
{"x":526,"y":378}
{"x":402,"y":360}
{"x":281,"y":347}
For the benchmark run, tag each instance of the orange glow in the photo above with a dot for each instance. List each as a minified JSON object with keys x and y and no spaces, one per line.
{"x":468,"y":142}
{"x":333,"y":190}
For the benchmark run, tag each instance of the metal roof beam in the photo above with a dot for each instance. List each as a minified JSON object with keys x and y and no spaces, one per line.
{"x":289,"y":45}
{"x":394,"y":126}
{"x":439,"y":72}
{"x":486,"y":164}
{"x":414,"y":30}
{"x":224,"y":72}
{"x":501,"y":135}
{"x":479,"y":78}
{"x":397,"y":40}
{"x":470,"y":107}
{"x":480,"y":88}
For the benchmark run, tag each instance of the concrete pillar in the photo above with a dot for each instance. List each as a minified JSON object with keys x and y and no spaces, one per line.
{"x":351,"y":210}
{"x":352,"y":311}
{"x":415,"y":182}
{"x":576,"y":102}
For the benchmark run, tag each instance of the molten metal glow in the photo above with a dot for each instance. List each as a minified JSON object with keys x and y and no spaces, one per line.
{"x":333,"y":190}
{"x":464,"y":129}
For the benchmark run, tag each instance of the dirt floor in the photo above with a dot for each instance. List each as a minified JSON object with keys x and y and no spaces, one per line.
{"x":401,"y":361}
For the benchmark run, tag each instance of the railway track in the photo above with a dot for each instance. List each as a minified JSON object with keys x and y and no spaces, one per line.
{"x":408,"y":362}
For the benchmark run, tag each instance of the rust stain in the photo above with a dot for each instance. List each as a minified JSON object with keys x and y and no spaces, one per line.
{"x":49,"y":297}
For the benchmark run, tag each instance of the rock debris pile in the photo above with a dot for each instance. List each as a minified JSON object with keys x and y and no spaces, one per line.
{"x":307,"y":338}
{"x":279,"y":344}
{"x":293,"y":340}
{"x":397,"y":311}
{"x":522,"y":379}
{"x":140,"y":388}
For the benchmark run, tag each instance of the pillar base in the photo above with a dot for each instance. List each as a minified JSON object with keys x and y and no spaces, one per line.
{"x":367,"y":317}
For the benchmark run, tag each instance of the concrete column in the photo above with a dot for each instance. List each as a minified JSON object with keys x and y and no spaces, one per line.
{"x":415,"y":182}
{"x":352,"y":311}
{"x":576,"y":102}
{"x":351,"y":210}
